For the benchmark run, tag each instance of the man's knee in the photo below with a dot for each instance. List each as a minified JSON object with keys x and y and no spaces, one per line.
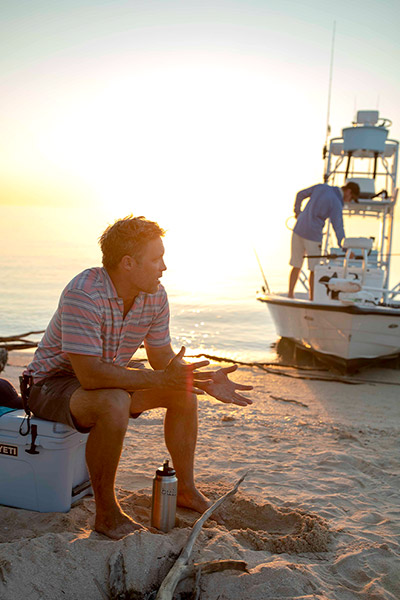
{"x":111,"y":405}
{"x":114,"y":403}
{"x":182,"y":400}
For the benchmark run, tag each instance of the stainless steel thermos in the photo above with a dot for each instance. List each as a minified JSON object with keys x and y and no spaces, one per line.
{"x":163,"y":506}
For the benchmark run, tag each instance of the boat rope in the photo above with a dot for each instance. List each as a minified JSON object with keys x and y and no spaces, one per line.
{"x":268,"y":368}
{"x":255,"y":364}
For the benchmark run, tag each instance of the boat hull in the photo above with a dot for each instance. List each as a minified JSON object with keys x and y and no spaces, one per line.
{"x":345,"y":332}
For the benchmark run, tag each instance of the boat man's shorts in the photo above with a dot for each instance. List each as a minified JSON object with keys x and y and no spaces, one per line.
{"x":302,"y":248}
{"x":49,"y":399}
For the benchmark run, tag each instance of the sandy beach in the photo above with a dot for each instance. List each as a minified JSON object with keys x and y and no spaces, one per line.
{"x":317,"y":516}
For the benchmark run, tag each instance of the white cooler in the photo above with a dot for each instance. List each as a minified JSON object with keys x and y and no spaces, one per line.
{"x":46,"y":473}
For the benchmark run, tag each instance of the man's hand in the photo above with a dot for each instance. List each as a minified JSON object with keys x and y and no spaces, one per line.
{"x":221,"y":387}
{"x":178,"y":375}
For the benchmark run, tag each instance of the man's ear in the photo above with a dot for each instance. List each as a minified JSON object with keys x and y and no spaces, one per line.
{"x":128,"y":262}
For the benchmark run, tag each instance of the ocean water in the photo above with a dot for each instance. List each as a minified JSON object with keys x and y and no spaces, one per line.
{"x":212,"y":279}
{"x":215,"y":313}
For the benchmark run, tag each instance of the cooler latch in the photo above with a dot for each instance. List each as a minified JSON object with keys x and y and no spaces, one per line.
{"x":32,"y":449}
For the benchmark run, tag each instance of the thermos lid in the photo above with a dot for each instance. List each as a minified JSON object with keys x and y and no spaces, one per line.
{"x":165,"y":470}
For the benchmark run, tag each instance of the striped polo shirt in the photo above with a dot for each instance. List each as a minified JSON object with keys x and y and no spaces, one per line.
{"x":89,"y":320}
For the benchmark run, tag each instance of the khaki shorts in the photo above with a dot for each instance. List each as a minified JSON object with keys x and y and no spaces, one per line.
{"x":49,"y":399}
{"x":302,"y":248}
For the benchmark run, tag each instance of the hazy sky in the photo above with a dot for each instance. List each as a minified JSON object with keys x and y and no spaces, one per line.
{"x":190,"y":112}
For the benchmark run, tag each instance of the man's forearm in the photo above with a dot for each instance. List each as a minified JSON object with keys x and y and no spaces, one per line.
{"x":337,"y":223}
{"x":94,"y":373}
{"x":102,"y":374}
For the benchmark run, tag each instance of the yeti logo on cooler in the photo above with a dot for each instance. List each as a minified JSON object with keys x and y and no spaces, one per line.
{"x":9,"y":450}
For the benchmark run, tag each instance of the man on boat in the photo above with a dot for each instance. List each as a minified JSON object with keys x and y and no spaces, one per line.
{"x":326,"y":202}
{"x":83,"y":375}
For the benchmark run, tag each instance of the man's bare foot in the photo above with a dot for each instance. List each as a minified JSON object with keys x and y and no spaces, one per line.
{"x":117,"y":526}
{"x":194,"y":500}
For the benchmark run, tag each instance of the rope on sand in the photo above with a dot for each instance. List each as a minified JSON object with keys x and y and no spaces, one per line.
{"x":267,"y":368}
{"x":255,"y":364}
{"x":309,"y":377}
{"x":279,"y":371}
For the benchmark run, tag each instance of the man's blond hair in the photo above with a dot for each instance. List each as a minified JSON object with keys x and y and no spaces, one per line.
{"x":127,"y":236}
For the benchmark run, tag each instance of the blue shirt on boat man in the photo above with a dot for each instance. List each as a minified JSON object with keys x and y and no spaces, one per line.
{"x":326,"y":202}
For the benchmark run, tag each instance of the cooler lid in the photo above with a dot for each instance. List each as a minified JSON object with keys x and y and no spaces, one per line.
{"x":49,"y":433}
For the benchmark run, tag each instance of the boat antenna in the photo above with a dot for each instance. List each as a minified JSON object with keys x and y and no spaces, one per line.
{"x":328,"y":114}
{"x":262,"y":272}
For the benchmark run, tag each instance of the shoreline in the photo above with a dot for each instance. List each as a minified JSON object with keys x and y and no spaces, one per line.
{"x":316,"y":517}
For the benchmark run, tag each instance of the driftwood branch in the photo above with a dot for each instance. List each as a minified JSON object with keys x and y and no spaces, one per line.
{"x":17,"y":338}
{"x":214,"y":566}
{"x":18,"y":342}
{"x":17,"y":346}
{"x":117,"y":574}
{"x":197,"y":585}
{"x":196,"y":570}
{"x":176,"y":573}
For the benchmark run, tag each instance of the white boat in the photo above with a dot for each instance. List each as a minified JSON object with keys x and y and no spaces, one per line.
{"x":355,"y":315}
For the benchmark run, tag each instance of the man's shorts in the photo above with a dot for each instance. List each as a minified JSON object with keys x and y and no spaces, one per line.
{"x":302,"y":248}
{"x":50,"y":398}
